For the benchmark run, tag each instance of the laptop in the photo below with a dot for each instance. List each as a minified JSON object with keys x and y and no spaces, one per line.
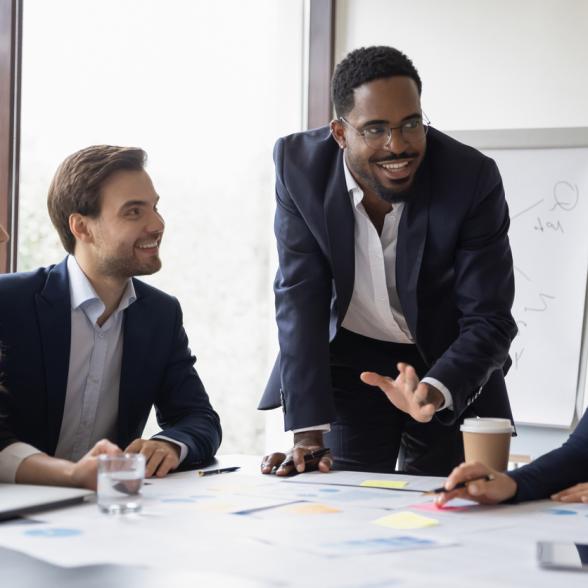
{"x":23,"y":499}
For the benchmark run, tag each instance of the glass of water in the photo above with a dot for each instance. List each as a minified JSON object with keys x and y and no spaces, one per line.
{"x":120,"y":478}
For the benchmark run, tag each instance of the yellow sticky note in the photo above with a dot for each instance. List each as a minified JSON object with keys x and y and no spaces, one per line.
{"x":384,"y":484}
{"x":312,"y":508}
{"x":406,"y":520}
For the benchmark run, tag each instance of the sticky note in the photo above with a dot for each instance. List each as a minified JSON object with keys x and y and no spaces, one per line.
{"x":312,"y":508}
{"x":433,"y":507}
{"x":397,"y":484}
{"x":406,"y":520}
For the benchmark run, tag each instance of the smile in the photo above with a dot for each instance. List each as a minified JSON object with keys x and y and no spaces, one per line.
{"x":150,"y":244}
{"x":393,"y":165}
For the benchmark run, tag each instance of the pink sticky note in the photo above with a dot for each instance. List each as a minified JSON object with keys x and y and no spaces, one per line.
{"x":433,"y":507}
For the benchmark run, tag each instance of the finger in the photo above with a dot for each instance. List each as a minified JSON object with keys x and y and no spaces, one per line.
{"x":465,"y":472}
{"x":169,"y":463}
{"x":577,"y":490}
{"x":286,"y":468}
{"x":153,"y":461}
{"x":423,"y":414}
{"x":325,"y":464}
{"x":374,"y":379}
{"x":411,"y":379}
{"x":571,"y":495}
{"x":298,"y":454}
{"x":105,"y":446}
{"x":269,"y":462}
{"x":445,"y":497}
{"x":135,"y":446}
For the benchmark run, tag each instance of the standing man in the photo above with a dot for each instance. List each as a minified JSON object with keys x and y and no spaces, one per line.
{"x":87,"y":348}
{"x":395,"y":280}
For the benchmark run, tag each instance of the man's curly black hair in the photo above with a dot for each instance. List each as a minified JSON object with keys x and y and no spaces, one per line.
{"x":364,"y":65}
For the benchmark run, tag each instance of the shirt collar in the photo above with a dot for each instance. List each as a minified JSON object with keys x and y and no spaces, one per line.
{"x":83,"y":295}
{"x":353,"y":188}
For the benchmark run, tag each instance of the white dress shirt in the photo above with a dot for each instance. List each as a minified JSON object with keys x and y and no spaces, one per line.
{"x":91,"y":400}
{"x":374,"y":310}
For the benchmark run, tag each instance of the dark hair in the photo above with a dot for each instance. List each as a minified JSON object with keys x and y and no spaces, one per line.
{"x":364,"y":65}
{"x":78,"y":180}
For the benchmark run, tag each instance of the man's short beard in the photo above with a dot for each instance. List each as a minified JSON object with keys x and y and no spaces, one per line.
{"x":392,"y":196}
{"x":124,"y":268}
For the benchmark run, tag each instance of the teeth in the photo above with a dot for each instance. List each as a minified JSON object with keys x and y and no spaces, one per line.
{"x":394,"y":165}
{"x":148,"y":245}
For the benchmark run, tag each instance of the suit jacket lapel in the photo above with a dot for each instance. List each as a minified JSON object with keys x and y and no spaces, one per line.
{"x":412,"y":234}
{"x":53,"y":309}
{"x":340,"y":229}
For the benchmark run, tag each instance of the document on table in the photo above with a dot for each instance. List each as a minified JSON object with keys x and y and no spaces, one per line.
{"x":399,"y":482}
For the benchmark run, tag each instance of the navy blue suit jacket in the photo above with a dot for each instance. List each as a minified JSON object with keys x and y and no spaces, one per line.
{"x":157,"y":366}
{"x":454,"y":274}
{"x":557,"y":470}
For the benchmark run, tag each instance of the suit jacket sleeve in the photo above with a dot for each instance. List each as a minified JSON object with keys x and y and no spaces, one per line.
{"x":182,"y":406}
{"x":303,"y":295}
{"x":483,"y":293}
{"x":557,"y":470}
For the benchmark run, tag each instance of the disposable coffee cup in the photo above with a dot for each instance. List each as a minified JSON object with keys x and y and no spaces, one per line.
{"x":487,"y":440}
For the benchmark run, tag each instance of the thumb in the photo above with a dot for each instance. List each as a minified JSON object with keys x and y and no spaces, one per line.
{"x":374,"y":379}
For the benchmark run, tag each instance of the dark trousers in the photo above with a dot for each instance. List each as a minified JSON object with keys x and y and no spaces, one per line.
{"x":370,"y":433}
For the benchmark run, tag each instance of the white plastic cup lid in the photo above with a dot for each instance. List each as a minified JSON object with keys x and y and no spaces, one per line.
{"x":486,"y":425}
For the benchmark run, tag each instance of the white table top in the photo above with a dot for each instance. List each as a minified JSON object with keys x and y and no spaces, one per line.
{"x":323,"y":535}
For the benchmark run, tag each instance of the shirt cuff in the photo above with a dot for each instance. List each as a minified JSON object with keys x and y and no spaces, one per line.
{"x":11,"y":457}
{"x":182,"y":446}
{"x":325,"y":428}
{"x":448,"y":399}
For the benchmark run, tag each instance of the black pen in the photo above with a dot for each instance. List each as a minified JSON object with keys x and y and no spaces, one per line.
{"x":442,"y":489}
{"x":309,"y":456}
{"x":218,"y":471}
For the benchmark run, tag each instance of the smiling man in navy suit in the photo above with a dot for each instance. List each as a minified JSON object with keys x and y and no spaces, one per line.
{"x":395,"y":280}
{"x":87,"y":348}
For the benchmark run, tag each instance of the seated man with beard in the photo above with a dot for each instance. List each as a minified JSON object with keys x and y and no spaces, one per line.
{"x":87,"y":348}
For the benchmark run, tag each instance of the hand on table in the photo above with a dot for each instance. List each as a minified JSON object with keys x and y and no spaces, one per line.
{"x":499,"y":489}
{"x":294,"y":460}
{"x":577,"y":493}
{"x":161,"y":457}
{"x":83,"y":473}
{"x":407,"y":393}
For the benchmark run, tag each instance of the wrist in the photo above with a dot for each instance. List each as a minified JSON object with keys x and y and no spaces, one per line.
{"x":308,"y":438}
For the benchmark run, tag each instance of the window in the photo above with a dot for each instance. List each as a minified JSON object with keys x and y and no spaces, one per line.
{"x":205,"y":88}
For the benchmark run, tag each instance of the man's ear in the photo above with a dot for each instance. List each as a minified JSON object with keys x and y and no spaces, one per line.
{"x":338,"y":132}
{"x":78,"y":225}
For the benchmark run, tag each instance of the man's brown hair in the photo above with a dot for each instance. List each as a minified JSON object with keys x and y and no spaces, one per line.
{"x":77,"y":184}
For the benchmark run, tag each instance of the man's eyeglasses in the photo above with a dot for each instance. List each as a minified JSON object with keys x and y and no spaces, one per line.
{"x":379,"y":136}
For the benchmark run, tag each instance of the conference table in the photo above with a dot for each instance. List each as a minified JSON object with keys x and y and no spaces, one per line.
{"x":242,"y":529}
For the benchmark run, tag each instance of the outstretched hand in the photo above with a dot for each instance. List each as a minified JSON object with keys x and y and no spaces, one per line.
{"x":407,"y":392}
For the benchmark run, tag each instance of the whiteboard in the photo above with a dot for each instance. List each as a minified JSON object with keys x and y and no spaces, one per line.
{"x":546,"y":186}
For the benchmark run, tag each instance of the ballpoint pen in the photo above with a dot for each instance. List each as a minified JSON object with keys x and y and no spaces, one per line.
{"x":218,"y":471}
{"x":308,"y":457}
{"x":442,"y":489}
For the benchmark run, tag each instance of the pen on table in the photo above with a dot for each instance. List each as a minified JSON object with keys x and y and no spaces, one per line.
{"x":218,"y":471}
{"x":309,"y":456}
{"x":442,"y":489}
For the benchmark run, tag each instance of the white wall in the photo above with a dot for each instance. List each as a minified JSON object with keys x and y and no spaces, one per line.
{"x":485,"y":65}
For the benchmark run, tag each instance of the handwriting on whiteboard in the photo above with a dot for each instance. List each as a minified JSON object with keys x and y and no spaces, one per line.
{"x":548,"y":216}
